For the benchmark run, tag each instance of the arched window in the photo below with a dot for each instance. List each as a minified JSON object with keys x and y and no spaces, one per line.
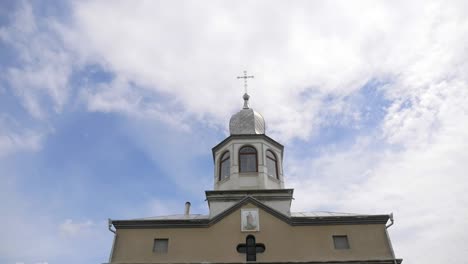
{"x":247,"y":159}
{"x":272,"y":164}
{"x":224,"y":166}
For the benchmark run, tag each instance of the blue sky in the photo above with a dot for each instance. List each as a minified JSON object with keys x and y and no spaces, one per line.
{"x":110,"y":110}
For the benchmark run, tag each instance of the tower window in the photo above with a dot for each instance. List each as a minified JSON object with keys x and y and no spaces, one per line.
{"x":272,"y":164}
{"x":341,"y":242}
{"x":161,"y":245}
{"x":247,"y":159}
{"x":224,"y":166}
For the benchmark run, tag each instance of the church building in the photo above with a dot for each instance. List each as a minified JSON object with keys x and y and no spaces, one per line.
{"x":250,"y":218}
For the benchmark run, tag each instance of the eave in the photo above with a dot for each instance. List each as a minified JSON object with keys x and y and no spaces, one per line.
{"x":249,"y":136}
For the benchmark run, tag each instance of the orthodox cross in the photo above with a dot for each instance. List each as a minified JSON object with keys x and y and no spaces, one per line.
{"x":245,"y":77}
{"x":250,"y":248}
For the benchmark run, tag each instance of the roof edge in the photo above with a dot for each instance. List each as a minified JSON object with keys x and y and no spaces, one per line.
{"x":244,"y":136}
{"x":367,"y":261}
{"x":293,"y":221}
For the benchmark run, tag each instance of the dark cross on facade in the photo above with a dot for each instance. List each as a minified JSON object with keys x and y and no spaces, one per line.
{"x":245,"y":77}
{"x":250,"y":248}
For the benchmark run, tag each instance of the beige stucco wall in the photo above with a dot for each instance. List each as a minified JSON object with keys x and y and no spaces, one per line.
{"x":282,"y":241}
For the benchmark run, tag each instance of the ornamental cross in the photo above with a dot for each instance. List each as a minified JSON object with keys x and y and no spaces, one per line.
{"x":250,"y":248}
{"x":245,"y":77}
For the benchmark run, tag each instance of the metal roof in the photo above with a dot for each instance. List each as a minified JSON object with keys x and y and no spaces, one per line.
{"x":295,"y":219}
{"x":175,"y":217}
{"x":202,"y":216}
{"x":322,"y":214}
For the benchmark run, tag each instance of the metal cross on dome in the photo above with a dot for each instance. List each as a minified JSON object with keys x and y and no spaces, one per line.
{"x":245,"y":77}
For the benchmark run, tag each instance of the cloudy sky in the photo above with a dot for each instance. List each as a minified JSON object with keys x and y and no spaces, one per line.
{"x":109,"y":109}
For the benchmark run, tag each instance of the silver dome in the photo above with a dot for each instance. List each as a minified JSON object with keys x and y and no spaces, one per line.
{"x":247,"y":121}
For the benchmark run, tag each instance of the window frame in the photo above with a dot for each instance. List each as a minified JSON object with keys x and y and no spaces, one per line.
{"x":161,"y":252}
{"x":221,"y":160}
{"x":240,"y":154}
{"x":335,"y":237}
{"x":276,"y":163}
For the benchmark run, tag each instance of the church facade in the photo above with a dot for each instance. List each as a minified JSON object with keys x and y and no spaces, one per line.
{"x":249,"y":216}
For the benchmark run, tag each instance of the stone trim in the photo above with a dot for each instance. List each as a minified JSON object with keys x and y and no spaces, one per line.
{"x":253,"y":191}
{"x":237,"y":195}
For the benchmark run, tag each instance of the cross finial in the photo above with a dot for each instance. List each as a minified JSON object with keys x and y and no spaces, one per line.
{"x":246,"y":96}
{"x":245,"y":77}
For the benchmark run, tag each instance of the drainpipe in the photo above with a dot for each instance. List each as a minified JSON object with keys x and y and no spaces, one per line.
{"x":391,"y":221}
{"x":388,"y":238}
{"x":109,"y":221}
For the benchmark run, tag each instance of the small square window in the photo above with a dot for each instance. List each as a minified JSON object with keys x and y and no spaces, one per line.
{"x":341,"y":242}
{"x":160,"y":245}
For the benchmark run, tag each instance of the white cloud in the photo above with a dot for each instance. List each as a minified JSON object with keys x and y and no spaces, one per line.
{"x":14,"y":137}
{"x":320,"y":48}
{"x":196,"y":55}
{"x":123,"y":97}
{"x":40,"y":77}
{"x":69,"y":228}
{"x":420,"y":175}
{"x":37,"y":76}
{"x":29,"y":141}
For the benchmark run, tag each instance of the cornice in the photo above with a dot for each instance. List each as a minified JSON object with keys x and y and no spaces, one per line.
{"x":254,"y":136}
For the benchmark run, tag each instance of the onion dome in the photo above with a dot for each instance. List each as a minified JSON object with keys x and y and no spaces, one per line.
{"x":247,"y":121}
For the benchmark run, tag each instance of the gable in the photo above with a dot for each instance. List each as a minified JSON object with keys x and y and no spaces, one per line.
{"x":250,"y":202}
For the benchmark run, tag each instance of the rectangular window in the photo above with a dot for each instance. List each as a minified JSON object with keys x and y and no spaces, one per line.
{"x":341,"y":242}
{"x":161,"y":245}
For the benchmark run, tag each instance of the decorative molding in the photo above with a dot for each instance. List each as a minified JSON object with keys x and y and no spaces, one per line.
{"x":237,"y":195}
{"x":250,"y":192}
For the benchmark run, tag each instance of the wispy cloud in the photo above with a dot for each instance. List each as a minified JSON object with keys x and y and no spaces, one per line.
{"x":15,"y":137}
{"x":40,"y":75}
{"x":417,"y":172}
{"x":69,"y":228}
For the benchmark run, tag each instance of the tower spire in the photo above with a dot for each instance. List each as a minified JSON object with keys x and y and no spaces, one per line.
{"x":246,"y":95}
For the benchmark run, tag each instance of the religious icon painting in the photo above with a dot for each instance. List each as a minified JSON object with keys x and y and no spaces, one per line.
{"x":249,"y":220}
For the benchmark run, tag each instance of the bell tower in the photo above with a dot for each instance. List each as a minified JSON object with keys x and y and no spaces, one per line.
{"x":248,"y":163}
{"x":248,"y":159}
